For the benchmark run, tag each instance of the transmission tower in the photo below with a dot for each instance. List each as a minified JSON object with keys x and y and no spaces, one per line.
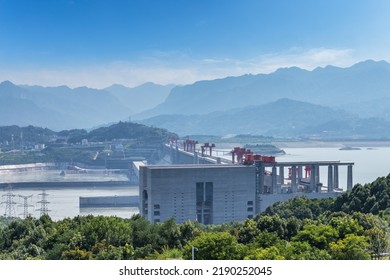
{"x":25,"y":205}
{"x":44,"y":210}
{"x":9,"y":204}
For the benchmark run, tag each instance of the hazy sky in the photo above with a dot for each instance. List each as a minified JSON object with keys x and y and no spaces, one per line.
{"x":97,"y":43}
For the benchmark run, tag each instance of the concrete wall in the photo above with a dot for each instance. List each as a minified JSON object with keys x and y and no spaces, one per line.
{"x":108,"y":201}
{"x":171,"y":191}
{"x":182,"y":157}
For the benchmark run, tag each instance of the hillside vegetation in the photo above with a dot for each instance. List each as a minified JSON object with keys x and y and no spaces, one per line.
{"x":345,"y":228}
{"x":18,"y":143}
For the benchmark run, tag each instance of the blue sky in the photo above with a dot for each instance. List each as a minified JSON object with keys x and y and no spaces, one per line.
{"x":97,"y":43}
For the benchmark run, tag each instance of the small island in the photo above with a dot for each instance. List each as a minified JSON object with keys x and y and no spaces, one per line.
{"x":265,"y":149}
{"x":348,"y":148}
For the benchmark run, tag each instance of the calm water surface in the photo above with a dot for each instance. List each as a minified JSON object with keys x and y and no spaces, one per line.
{"x":370,"y":163}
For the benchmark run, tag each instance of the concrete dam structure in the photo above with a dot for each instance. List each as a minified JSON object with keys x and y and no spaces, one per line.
{"x":217,"y":192}
{"x":108,"y":201}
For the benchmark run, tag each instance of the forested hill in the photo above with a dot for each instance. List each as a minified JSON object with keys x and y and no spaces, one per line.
{"x":299,"y":229}
{"x":371,"y":198}
{"x":35,"y":144}
{"x":29,"y":134}
{"x":16,"y":136}
{"x":122,"y":130}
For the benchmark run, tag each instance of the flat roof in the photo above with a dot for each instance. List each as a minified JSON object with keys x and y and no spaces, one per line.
{"x":304,"y":163}
{"x":278,"y":164}
{"x":290,"y":163}
{"x":198,"y":166}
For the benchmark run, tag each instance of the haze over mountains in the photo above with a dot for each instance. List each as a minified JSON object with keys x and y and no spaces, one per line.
{"x":64,"y":108}
{"x":329,"y":86}
{"x":329,"y":102}
{"x":355,"y":103}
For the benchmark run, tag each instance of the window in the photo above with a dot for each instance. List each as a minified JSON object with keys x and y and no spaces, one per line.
{"x":250,"y":203}
{"x":156,"y":213}
{"x":249,"y":209}
{"x":145,"y":202}
{"x":156,"y":206}
{"x":199,"y":193}
{"x":204,"y":202}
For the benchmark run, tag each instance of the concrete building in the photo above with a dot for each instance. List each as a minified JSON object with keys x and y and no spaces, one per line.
{"x":210,"y":194}
{"x":221,"y":193}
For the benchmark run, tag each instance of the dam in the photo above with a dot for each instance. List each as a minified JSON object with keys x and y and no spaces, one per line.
{"x":212,"y":190}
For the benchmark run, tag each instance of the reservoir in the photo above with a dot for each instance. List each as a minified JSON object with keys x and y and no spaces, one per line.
{"x":64,"y":201}
{"x":370,"y":163}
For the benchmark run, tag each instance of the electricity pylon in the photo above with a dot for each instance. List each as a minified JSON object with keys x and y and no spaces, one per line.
{"x":9,"y":204}
{"x":25,"y":205}
{"x":44,"y":210}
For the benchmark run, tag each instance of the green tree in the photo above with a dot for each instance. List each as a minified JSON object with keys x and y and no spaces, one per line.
{"x":167,"y":254}
{"x":248,"y":231}
{"x":272,"y":224}
{"x":76,"y":255}
{"x":170,"y":233}
{"x":304,"y":251}
{"x":317,"y":235}
{"x":346,"y":225}
{"x":266,"y":239}
{"x":270,"y":253}
{"x":214,"y":246}
{"x":352,"y":247}
{"x":189,"y":230}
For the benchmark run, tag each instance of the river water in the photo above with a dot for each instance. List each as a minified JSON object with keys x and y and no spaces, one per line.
{"x":370,"y":163}
{"x":64,"y":202}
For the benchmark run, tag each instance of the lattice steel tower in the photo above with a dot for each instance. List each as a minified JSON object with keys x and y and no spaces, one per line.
{"x":44,"y":210}
{"x":9,"y":204}
{"x":25,"y":205}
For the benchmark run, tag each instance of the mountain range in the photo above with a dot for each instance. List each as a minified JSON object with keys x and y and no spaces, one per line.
{"x":327,"y":102}
{"x":364,"y":82}
{"x":64,"y":108}
{"x":283,"y":118}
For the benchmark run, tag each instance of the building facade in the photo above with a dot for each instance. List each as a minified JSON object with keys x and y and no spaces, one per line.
{"x":210,"y":194}
{"x":222,"y":193}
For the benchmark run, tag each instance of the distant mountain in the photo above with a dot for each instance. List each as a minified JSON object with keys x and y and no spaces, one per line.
{"x":58,"y":107}
{"x":65,"y":108}
{"x":354,"y":101}
{"x":141,"y":98}
{"x":15,"y":108}
{"x":84,"y":106}
{"x":282,"y":118}
{"x":329,"y":86}
{"x":377,"y":107}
